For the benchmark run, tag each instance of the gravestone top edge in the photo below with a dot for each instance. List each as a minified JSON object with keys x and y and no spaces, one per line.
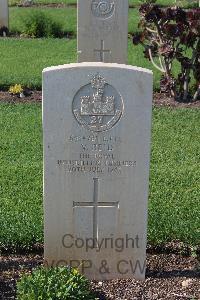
{"x":97,"y":64}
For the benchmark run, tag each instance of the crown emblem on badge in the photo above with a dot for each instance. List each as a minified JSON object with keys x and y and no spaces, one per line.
{"x":97,"y":104}
{"x":98,"y":82}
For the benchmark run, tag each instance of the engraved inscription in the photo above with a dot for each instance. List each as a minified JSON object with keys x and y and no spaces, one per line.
{"x":97,"y":106}
{"x":94,"y":138}
{"x":97,"y":155}
{"x":103,"y":8}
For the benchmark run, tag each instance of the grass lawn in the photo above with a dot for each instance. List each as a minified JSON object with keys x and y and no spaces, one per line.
{"x":21,"y":174}
{"x":18,"y":55}
{"x":174,"y":207}
{"x":66,"y":17}
{"x":22,"y":60}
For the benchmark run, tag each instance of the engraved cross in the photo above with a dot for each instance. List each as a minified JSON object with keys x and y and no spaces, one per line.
{"x":102,"y":51}
{"x":95,"y":204}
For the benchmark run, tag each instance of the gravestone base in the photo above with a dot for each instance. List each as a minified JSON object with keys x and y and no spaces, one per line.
{"x":97,"y":124}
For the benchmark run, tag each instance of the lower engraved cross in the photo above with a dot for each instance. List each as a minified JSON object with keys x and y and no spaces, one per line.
{"x":102,"y":51}
{"x":95,"y":204}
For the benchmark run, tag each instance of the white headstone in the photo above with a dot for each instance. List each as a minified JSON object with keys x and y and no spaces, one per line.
{"x":103,"y":31}
{"x":97,"y":124}
{"x":3,"y":13}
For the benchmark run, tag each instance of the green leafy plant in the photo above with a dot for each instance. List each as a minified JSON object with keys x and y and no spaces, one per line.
{"x":59,"y":283}
{"x":168,"y":36}
{"x":37,"y":24}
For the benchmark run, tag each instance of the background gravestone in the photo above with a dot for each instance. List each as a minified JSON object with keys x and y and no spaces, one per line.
{"x":102,"y":30}
{"x":97,"y":121}
{"x":3,"y":14}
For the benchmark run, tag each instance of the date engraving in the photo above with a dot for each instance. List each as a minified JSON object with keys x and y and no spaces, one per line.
{"x":91,"y":165}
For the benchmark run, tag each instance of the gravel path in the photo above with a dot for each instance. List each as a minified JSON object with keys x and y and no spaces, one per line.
{"x":169,"y":276}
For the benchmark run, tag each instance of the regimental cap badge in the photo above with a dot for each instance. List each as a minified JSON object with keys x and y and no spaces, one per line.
{"x":97,"y":105}
{"x":103,"y":9}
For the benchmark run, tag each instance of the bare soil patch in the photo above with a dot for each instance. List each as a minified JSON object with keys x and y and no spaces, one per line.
{"x":35,"y":96}
{"x":159,"y":100}
{"x":169,"y":276}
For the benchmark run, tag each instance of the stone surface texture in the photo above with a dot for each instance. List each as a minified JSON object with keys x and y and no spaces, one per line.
{"x":3,"y":13}
{"x":102,"y":31}
{"x":97,"y":125}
